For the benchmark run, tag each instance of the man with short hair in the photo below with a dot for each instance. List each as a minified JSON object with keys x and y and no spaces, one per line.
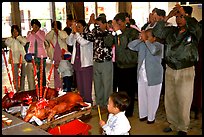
{"x":68,"y":29}
{"x":160,"y":14}
{"x":180,"y":56}
{"x":126,"y":59}
{"x":102,"y":59}
{"x":69,"y":24}
{"x":150,"y":21}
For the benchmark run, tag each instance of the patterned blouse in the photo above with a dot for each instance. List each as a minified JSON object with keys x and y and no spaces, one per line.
{"x":102,"y":43}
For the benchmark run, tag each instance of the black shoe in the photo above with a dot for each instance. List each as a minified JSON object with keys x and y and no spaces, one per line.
{"x":182,"y":133}
{"x":167,"y":129}
{"x":143,"y":119}
{"x":150,"y":122}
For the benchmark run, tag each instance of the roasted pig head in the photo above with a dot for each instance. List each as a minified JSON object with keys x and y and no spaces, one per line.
{"x":25,"y":97}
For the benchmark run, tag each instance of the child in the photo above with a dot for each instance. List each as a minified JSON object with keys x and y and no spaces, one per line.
{"x":150,"y":74}
{"x":66,"y":70}
{"x":117,"y":123}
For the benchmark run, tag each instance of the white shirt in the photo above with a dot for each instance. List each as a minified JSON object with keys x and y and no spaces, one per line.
{"x":65,"y":68}
{"x":117,"y":124}
{"x":150,"y":27}
{"x":52,"y":38}
{"x":17,"y":47}
{"x":86,"y":49}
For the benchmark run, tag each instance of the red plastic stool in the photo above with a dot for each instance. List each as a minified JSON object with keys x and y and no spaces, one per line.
{"x":74,"y":127}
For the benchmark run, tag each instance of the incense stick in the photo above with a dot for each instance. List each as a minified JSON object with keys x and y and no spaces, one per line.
{"x":59,"y":130}
{"x":99,"y":112}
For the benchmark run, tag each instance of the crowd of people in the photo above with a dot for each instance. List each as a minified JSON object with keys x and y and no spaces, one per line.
{"x":122,"y":61}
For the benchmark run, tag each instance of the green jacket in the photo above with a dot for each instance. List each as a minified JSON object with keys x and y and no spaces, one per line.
{"x":180,"y":49}
{"x":126,"y":58}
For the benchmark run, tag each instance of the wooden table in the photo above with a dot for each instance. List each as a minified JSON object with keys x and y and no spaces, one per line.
{"x":66,"y":118}
{"x":20,"y":127}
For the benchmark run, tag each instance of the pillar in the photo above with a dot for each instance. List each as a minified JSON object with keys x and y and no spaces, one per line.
{"x":125,"y":7}
{"x":15,"y":14}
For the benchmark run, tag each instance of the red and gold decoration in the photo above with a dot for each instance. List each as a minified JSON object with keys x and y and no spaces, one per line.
{"x":41,"y":75}
{"x":36,"y":78}
{"x":19,"y":71}
{"x":12,"y":68}
{"x":8,"y":72}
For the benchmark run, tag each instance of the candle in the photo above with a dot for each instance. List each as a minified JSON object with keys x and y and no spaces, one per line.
{"x":4,"y":119}
{"x":99,"y":112}
{"x":12,"y":68}
{"x":41,"y":75}
{"x":3,"y":116}
{"x":36,"y":78}
{"x":19,"y":71}
{"x":8,"y":72}
{"x":8,"y":122}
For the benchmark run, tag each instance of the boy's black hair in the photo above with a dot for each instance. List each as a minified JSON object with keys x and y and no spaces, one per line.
{"x":120,"y":100}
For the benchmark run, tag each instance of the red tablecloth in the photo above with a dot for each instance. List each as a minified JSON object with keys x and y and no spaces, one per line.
{"x":74,"y":127}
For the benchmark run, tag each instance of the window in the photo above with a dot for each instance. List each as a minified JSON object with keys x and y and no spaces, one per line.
{"x":6,"y":19}
{"x":35,"y":10}
{"x":89,"y":8}
{"x":109,"y":8}
{"x":60,"y":12}
{"x":190,"y":3}
{"x":141,"y":10}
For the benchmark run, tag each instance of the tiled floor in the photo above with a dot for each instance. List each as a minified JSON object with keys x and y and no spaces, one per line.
{"x":137,"y":127}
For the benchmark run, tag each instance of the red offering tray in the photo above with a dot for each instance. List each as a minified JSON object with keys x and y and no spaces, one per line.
{"x":74,"y":127}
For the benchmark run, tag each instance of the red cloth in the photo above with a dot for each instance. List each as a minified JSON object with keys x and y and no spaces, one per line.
{"x":75,"y":127}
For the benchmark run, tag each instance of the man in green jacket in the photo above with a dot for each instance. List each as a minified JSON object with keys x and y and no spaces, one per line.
{"x":180,"y":56}
{"x":126,"y":59}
